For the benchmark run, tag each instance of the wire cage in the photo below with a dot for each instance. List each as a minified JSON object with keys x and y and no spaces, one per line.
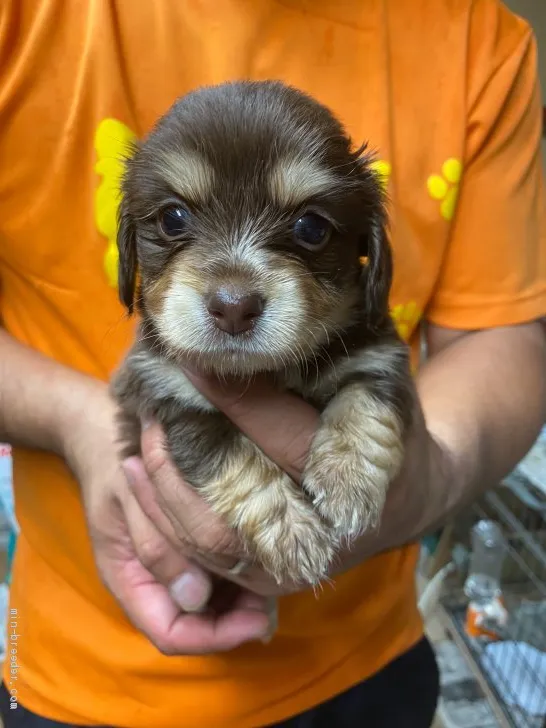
{"x":513,"y":666}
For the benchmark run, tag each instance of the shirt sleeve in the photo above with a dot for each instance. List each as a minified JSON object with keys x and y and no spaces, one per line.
{"x":494,"y":269}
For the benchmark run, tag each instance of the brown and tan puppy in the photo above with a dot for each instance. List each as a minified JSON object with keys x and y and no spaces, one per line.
{"x":246,"y":214}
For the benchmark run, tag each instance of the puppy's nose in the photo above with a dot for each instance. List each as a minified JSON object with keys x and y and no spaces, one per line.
{"x":234,"y":310}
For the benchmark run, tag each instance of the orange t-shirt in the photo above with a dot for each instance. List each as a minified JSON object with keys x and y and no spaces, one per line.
{"x":445,"y":90}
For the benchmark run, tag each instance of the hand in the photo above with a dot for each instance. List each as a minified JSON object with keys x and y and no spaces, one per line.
{"x":140,"y":566}
{"x":283,"y":426}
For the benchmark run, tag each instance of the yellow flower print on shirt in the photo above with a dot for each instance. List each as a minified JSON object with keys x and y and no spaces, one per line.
{"x":113,"y":141}
{"x":383,"y":170}
{"x":406,"y":316}
{"x":445,"y":187}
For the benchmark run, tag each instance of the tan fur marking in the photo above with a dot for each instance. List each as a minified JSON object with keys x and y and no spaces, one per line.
{"x":296,"y":179}
{"x":155,"y":294}
{"x":188,"y":174}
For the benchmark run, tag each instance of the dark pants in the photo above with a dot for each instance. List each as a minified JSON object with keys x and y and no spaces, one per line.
{"x":402,"y":695}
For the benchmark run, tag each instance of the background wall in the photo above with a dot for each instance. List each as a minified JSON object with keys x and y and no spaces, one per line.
{"x":535,"y":12}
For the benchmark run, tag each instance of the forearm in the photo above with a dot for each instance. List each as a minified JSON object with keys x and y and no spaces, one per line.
{"x":40,"y":400}
{"x":484,"y":400}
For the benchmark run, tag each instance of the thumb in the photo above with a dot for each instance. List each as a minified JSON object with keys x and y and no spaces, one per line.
{"x":188,"y":585}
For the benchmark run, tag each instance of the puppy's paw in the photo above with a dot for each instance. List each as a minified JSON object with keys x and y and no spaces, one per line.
{"x":279,"y":528}
{"x":293,"y":546}
{"x":356,"y":453}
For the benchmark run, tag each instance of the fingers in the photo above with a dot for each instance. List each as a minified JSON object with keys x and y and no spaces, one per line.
{"x":282,"y":424}
{"x":150,"y":608}
{"x":247,"y":620}
{"x":191,"y":527}
{"x":176,"y":508}
{"x":188,"y":585}
{"x":131,"y":554}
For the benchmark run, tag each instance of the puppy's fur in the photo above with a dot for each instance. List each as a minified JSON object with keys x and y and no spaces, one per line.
{"x":244,"y":162}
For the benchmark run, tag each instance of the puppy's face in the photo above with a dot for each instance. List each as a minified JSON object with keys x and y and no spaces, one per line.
{"x":246,"y":213}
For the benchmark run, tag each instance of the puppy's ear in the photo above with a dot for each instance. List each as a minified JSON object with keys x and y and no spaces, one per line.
{"x":127,"y":268}
{"x":376,"y":277}
{"x":374,"y":247}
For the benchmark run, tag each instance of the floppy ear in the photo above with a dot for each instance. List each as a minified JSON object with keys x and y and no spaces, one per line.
{"x":374,"y":247}
{"x":376,"y":277}
{"x":127,"y":267}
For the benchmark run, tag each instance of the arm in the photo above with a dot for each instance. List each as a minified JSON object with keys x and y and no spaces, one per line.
{"x":483,"y":390}
{"x":483,"y":395}
{"x":41,"y":400}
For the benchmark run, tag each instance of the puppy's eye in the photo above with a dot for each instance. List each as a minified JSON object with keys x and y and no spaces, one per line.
{"x":312,"y":231}
{"x":172,"y":221}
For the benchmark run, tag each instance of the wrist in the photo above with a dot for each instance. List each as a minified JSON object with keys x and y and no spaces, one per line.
{"x":86,"y":420}
{"x":443,"y":487}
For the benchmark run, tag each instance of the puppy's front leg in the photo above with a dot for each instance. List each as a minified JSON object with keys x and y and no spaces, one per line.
{"x":359,"y":446}
{"x":279,"y":528}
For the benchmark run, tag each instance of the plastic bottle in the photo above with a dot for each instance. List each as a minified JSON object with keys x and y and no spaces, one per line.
{"x":486,"y":614}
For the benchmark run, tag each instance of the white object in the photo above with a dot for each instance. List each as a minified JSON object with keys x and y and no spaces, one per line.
{"x":518,"y":672}
{"x":482,"y":584}
{"x":533,"y":465}
{"x":431,"y":594}
{"x":8,"y":521}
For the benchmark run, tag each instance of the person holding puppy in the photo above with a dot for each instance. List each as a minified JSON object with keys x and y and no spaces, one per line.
{"x":117,"y":561}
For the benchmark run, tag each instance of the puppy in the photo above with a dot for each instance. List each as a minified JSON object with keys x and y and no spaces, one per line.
{"x":259,"y":239}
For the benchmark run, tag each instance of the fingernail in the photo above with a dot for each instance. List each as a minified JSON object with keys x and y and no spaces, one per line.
{"x":128,"y":471}
{"x":129,"y":477}
{"x":145,"y":423}
{"x":265,"y":636}
{"x":273,"y":610}
{"x":191,"y":591}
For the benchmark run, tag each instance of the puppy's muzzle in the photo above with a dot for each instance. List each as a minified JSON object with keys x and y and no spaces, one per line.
{"x":233,"y":309}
